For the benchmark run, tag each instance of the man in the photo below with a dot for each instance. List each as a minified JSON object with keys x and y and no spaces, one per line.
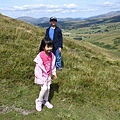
{"x":55,"y":34}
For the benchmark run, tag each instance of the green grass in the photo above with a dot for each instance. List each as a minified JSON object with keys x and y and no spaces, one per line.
{"x":86,"y":89}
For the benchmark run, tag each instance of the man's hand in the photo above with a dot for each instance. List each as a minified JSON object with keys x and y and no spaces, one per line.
{"x":60,"y":49}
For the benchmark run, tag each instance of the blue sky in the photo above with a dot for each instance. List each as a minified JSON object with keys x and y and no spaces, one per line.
{"x":58,"y":8}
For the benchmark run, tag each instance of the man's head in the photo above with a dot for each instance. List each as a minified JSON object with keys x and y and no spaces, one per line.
{"x":53,"y":21}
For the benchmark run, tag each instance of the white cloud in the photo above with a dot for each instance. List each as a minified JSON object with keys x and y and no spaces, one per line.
{"x":40,"y":6}
{"x":110,"y":5}
{"x":106,"y":3}
{"x":105,"y":7}
{"x":70,"y":6}
{"x":59,"y":10}
{"x":41,"y":9}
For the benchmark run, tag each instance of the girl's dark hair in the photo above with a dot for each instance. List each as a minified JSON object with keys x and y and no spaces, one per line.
{"x":45,"y":41}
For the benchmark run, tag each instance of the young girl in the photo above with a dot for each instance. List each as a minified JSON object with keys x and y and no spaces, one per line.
{"x":45,"y":67}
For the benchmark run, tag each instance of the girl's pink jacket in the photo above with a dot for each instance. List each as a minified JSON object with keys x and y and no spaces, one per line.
{"x":40,"y":72}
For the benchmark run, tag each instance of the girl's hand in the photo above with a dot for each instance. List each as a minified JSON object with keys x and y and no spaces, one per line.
{"x":55,"y":76}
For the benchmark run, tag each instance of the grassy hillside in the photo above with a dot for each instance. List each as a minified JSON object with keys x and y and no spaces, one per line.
{"x":86,"y":89}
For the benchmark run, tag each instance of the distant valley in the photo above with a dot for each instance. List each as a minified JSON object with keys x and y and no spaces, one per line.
{"x":102,"y":30}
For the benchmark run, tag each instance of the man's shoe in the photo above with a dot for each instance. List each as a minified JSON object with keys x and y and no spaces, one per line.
{"x":60,"y":69}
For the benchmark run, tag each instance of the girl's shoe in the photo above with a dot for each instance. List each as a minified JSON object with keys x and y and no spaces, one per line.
{"x":48,"y":105}
{"x":38,"y":105}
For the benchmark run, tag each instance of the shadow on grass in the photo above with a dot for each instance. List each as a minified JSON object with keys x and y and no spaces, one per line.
{"x":53,"y":88}
{"x":62,"y":64}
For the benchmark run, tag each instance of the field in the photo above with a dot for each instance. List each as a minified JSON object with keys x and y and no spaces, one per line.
{"x":103,"y":35}
{"x":86,"y":89}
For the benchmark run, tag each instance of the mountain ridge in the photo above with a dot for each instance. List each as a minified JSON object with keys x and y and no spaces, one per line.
{"x":74,"y":23}
{"x":46,"y":19}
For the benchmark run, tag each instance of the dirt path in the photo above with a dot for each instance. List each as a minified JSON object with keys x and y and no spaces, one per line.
{"x":4,"y":109}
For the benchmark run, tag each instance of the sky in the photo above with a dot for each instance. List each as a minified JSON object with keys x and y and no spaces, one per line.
{"x":57,"y":8}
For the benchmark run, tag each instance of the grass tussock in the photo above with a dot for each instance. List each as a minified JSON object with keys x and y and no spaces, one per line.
{"x":86,"y":89}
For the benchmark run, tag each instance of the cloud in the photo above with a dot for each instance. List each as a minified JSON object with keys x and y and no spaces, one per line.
{"x":70,"y":6}
{"x":109,"y":5}
{"x":40,"y":7}
{"x":71,"y":9}
{"x":45,"y":9}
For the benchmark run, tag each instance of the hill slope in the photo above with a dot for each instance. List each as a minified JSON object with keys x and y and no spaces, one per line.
{"x":87,"y":88}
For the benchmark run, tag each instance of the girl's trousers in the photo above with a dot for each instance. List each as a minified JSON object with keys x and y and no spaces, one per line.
{"x":44,"y":92}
